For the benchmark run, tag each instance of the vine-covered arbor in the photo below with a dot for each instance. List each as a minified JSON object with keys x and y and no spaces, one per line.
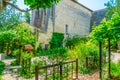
{"x":107,"y":30}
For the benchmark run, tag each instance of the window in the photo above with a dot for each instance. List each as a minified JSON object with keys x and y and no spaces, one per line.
{"x":66,"y":29}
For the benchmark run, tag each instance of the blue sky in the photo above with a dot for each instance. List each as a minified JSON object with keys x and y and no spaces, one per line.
{"x":21,"y":4}
{"x":92,"y":4}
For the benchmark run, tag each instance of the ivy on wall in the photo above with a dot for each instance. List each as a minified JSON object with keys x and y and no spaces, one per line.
{"x":56,"y":40}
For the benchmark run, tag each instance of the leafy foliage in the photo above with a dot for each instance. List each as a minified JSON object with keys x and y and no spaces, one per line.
{"x":14,"y":63}
{"x":27,"y":17}
{"x":82,"y":50}
{"x":113,"y":6}
{"x":24,"y":35}
{"x":115,"y":69}
{"x":54,"y":53}
{"x":2,"y":66}
{"x":9,"y":17}
{"x":107,"y":29}
{"x":57,"y":40}
{"x":36,"y":4}
{"x":7,"y":36}
{"x":25,"y":63}
{"x":36,"y":62}
{"x":26,"y":55}
{"x":72,"y":41}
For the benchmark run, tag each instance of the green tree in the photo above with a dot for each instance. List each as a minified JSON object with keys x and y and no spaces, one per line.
{"x":36,"y":4}
{"x":27,"y":16}
{"x":9,"y":17}
{"x":33,"y":4}
{"x":6,"y":37}
{"x":113,"y":6}
{"x":107,"y":29}
{"x":24,"y":35}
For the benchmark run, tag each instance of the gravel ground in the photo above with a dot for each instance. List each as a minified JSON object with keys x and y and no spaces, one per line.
{"x":7,"y":75}
{"x":115,"y":57}
{"x":94,"y":76}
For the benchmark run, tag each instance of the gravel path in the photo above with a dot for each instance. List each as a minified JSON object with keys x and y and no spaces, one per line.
{"x":115,"y":57}
{"x":94,"y":76}
{"x":7,"y":75}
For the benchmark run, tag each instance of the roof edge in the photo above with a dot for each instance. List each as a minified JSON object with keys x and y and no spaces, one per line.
{"x":82,"y":5}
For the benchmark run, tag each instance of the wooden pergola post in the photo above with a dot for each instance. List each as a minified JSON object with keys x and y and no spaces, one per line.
{"x":100,"y":54}
{"x":109,"y":58}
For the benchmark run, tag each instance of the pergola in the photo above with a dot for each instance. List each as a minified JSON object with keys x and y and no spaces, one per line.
{"x":108,"y":29}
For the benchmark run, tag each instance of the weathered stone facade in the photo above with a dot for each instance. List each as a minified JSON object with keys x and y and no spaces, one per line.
{"x":76,"y":16}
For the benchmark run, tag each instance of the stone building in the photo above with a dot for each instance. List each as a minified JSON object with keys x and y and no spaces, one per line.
{"x":68,"y":16}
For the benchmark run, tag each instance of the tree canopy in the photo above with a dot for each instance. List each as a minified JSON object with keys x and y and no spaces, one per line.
{"x":36,"y":4}
{"x":113,"y":6}
{"x":107,"y":29}
{"x":33,"y":4}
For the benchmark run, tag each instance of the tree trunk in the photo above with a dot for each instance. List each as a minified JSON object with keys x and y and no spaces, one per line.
{"x":7,"y":49}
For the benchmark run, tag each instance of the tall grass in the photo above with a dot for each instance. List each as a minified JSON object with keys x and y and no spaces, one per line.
{"x":83,"y":50}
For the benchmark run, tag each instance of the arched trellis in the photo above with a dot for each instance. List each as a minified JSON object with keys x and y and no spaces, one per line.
{"x":109,"y":59}
{"x":108,"y":29}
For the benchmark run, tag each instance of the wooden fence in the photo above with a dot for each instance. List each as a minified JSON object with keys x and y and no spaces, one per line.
{"x":60,"y":71}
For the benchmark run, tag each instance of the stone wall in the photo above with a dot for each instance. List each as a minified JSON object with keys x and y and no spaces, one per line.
{"x":75,"y":15}
{"x":69,"y":12}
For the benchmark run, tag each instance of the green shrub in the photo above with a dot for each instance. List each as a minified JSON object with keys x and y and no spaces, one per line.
{"x":10,"y":56}
{"x":62,"y":53}
{"x":2,"y":66}
{"x":83,"y":50}
{"x":6,"y":37}
{"x":25,"y":63}
{"x":37,"y":62}
{"x":57,"y":40}
{"x":14,"y":63}
{"x":115,"y":69}
{"x":73,"y":41}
